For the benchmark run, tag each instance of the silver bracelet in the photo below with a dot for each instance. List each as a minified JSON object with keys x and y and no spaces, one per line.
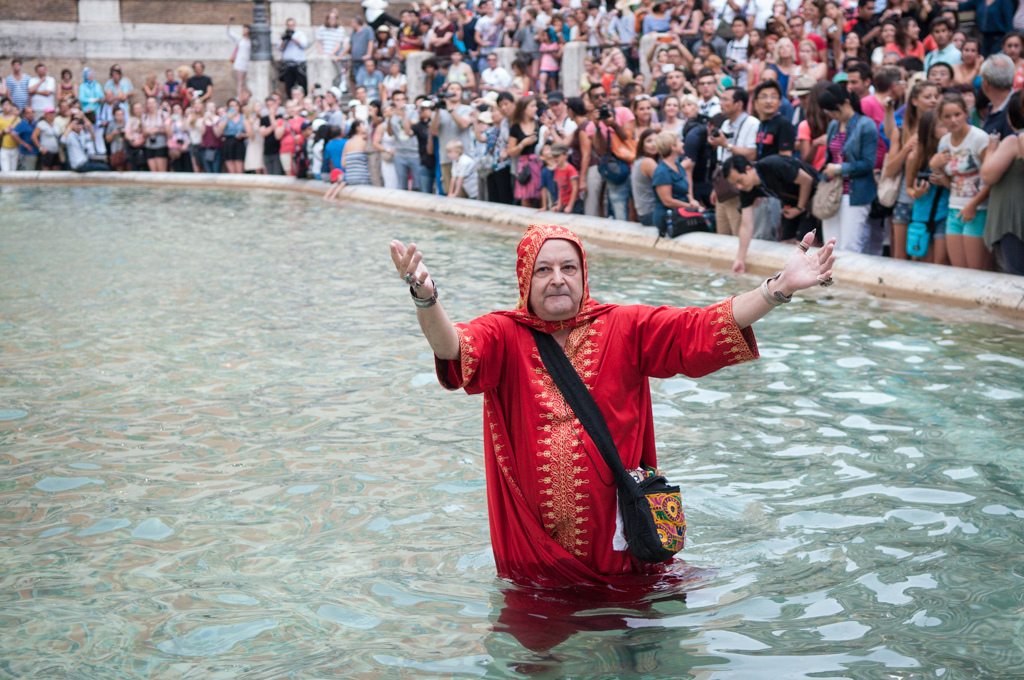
{"x":773,"y":299}
{"x":424,"y":303}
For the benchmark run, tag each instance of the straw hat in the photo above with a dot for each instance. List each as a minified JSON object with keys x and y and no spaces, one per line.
{"x":803,"y":85}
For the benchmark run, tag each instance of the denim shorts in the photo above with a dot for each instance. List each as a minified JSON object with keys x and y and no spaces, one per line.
{"x":975,"y":228}
{"x":902,"y":212}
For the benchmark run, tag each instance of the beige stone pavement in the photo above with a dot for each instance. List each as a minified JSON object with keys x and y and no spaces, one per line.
{"x":880,"y":276}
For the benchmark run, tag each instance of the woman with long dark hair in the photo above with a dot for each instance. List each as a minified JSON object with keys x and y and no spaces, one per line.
{"x":852,"y":142}
{"x":523,"y":133}
{"x":924,"y":97}
{"x":641,"y":175}
{"x":353,"y":158}
{"x":925,"y":192}
{"x":811,"y":133}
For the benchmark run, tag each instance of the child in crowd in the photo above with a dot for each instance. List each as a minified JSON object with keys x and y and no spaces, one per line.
{"x":568,"y":180}
{"x":548,"y":185}
{"x":464,"y":177}
{"x":332,"y":159}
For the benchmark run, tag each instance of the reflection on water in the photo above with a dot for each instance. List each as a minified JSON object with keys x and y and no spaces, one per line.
{"x":223,"y":454}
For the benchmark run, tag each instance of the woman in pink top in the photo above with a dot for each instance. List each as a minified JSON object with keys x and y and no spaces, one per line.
{"x":289,"y":130}
{"x":550,"y":53}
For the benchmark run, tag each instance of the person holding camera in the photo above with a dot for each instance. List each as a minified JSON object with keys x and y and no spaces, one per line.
{"x":611,"y":120}
{"x":78,"y":141}
{"x":454,"y":120}
{"x":293,"y":57}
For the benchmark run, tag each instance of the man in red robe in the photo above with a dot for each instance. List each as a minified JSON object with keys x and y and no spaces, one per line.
{"x":551,"y":498}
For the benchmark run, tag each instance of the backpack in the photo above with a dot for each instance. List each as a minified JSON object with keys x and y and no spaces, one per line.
{"x":300,"y":161}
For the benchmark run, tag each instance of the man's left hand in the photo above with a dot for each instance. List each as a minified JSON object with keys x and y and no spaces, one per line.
{"x":806,"y":268}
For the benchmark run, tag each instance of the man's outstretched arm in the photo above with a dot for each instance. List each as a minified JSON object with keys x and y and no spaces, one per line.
{"x":437,"y":327}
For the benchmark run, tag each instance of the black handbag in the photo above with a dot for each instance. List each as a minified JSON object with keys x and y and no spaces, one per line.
{"x":678,"y":222}
{"x":524,"y":175}
{"x":652,"y":510}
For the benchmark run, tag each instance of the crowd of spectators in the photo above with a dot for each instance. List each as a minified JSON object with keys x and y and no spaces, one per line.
{"x":748,"y":109}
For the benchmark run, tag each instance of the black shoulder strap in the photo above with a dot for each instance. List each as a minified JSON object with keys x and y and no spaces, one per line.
{"x":582,"y":403}
{"x":930,"y":226}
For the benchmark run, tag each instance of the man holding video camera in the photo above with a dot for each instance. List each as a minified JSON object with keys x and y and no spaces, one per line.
{"x":293,"y":57}
{"x":454,"y":120}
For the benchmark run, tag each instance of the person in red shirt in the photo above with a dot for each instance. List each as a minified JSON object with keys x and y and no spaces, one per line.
{"x":568,"y":180}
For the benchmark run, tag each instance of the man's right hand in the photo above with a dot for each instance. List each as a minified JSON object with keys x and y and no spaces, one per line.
{"x":409,"y":262}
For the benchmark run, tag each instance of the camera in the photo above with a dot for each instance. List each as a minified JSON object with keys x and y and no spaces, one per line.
{"x":604,"y":113}
{"x":714,"y":132}
{"x":287,"y":35}
{"x":924,"y":175}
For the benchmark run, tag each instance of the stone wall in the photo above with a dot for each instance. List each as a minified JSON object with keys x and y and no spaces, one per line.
{"x":146,"y":36}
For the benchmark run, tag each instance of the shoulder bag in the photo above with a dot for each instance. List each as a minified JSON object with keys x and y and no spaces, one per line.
{"x":827,"y":198}
{"x":889,"y":187}
{"x":919,"y":234}
{"x":614,"y":170}
{"x":652,"y":510}
{"x":623,"y":150}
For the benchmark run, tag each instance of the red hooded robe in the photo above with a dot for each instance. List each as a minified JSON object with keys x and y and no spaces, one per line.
{"x":551,"y":498}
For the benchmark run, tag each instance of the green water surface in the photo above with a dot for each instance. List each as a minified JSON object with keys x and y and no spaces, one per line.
{"x":223,"y":453}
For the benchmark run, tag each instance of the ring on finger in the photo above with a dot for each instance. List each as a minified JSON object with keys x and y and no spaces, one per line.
{"x":409,"y":278}
{"x":825,"y":283}
{"x":802,"y":246}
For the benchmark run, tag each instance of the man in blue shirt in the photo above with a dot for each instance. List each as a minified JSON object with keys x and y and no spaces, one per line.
{"x":23,"y":134}
{"x":946,"y":51}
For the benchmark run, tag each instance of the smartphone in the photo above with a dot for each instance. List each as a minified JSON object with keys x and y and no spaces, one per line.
{"x":924,"y":175}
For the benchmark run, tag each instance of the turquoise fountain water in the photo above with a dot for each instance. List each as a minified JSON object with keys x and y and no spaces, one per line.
{"x":223,"y":453}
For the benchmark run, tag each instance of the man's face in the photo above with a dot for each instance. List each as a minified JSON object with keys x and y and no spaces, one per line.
{"x":674,"y":80}
{"x":426,"y":113}
{"x":198,"y":68}
{"x":556,"y":288}
{"x":492,"y":61}
{"x":728,"y":104}
{"x":28,"y":114}
{"x":856,"y":84}
{"x":506,"y":107}
{"x":108,"y":96}
{"x":16,"y":66}
{"x":41,"y":71}
{"x":796,"y":30}
{"x":675,"y":57}
{"x":942,"y":35}
{"x":400,"y":99}
{"x":361,"y":94}
{"x":706,"y":87}
{"x":768,"y":102}
{"x":290,"y":24}
{"x":371,"y":66}
{"x":707,"y":27}
{"x":744,"y":181}
{"x":867,"y":11}
{"x":739,"y":29}
{"x":598,"y":97}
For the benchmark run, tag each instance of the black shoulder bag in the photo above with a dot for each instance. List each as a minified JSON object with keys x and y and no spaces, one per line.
{"x":652,"y":511}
